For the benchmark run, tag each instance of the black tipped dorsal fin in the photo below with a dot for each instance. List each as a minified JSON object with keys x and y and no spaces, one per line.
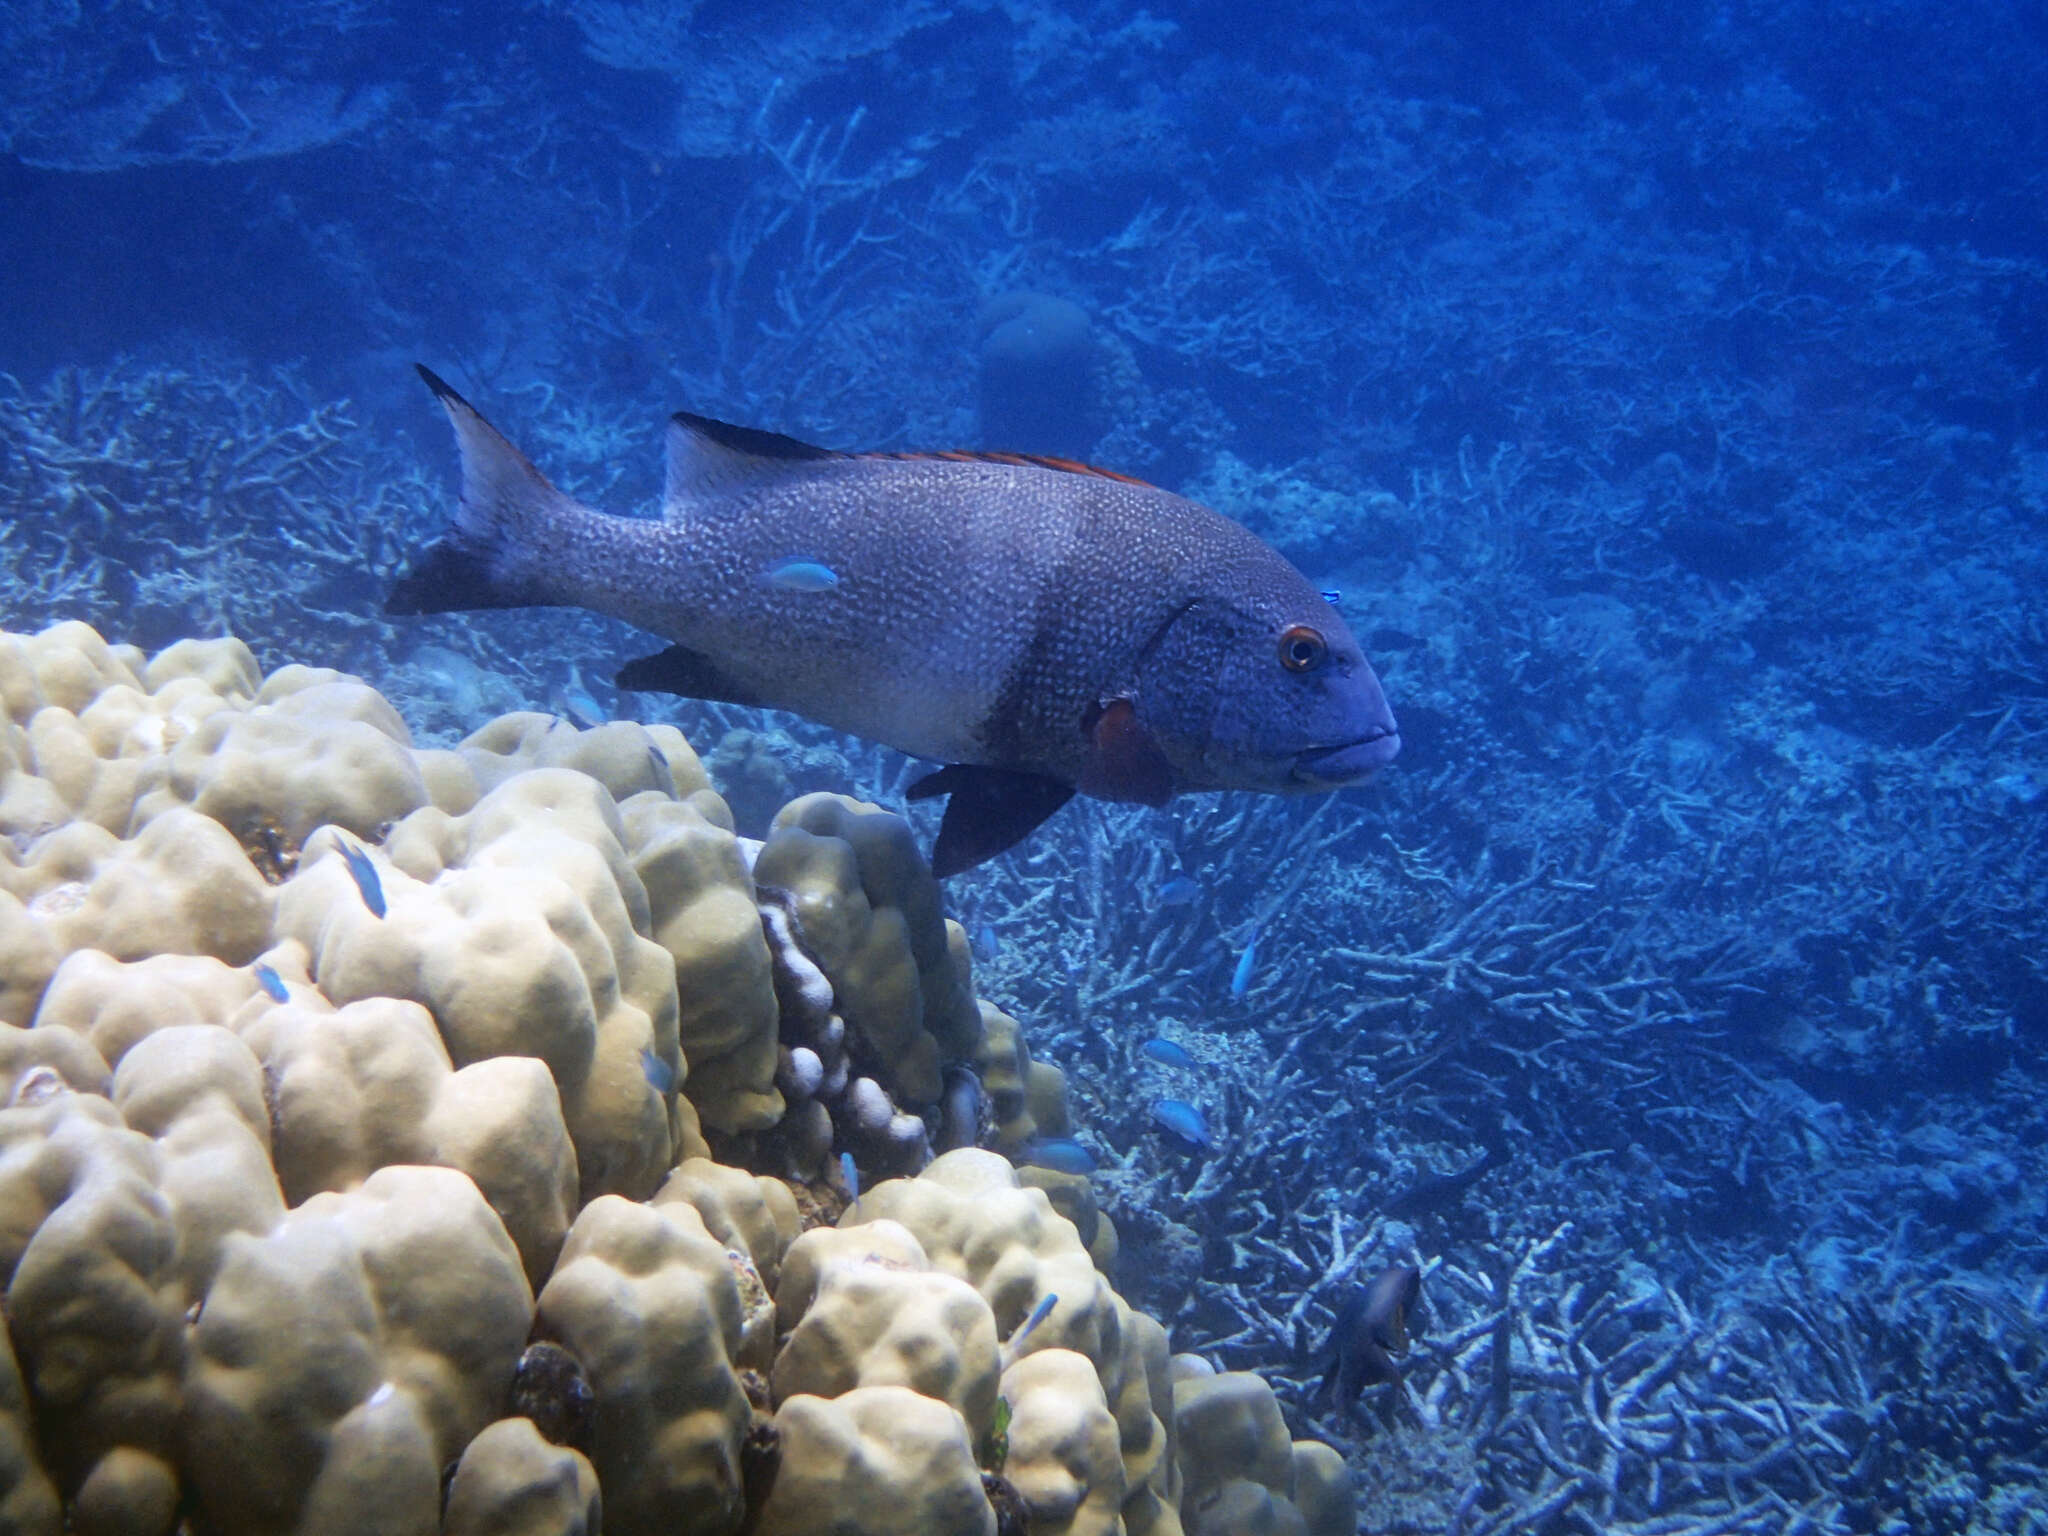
{"x":706,"y":455}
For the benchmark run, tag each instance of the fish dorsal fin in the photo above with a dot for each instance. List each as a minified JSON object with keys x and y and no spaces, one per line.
{"x":706,"y":455}
{"x":1027,"y":460}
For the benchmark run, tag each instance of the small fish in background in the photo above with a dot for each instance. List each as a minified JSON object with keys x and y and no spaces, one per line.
{"x":1177,"y":892}
{"x":851,"y":1173}
{"x":986,"y":943}
{"x":1332,"y":596}
{"x":1182,"y":1120}
{"x":272,"y":983}
{"x":1168,"y":1054}
{"x":799,"y":575}
{"x":1247,"y":963}
{"x":1062,"y":1154}
{"x":574,"y":703}
{"x":2021,"y":786}
{"x":661,"y":1076}
{"x":364,"y":873}
{"x":1370,"y":1329}
{"x":1441,"y":1192}
{"x":1014,"y":1345}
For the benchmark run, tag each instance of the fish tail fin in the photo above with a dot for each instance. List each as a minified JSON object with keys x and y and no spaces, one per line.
{"x":490,"y":556}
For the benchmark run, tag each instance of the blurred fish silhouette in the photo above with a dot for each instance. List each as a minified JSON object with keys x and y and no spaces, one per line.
{"x":573,"y":701}
{"x":1371,"y":1328}
{"x":1247,"y":966}
{"x":1040,"y":627}
{"x":659,"y":1071}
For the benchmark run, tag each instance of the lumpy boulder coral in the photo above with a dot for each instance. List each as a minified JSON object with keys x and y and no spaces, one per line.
{"x":356,"y":1104}
{"x":343,"y":1358}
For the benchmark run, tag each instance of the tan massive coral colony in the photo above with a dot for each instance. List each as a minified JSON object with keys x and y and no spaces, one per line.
{"x":319,"y":1220}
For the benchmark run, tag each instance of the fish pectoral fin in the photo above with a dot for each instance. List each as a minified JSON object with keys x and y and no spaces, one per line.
{"x":1124,"y":760}
{"x":988,"y":810}
{"x":680,"y":670}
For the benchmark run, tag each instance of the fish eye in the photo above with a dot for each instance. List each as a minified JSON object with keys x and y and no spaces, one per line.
{"x":1302,"y":649}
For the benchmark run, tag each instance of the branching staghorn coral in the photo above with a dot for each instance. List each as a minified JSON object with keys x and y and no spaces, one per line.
{"x":266,"y":477}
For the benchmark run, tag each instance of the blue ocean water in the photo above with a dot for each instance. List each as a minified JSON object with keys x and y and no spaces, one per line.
{"x":1661,"y":387}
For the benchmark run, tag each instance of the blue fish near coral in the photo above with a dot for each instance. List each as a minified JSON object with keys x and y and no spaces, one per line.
{"x":1247,"y":966}
{"x":271,"y":983}
{"x":1041,"y":628}
{"x":1062,"y":1154}
{"x":1038,"y":1315}
{"x":660,"y":1074}
{"x":364,"y":873}
{"x":1167,"y":1054}
{"x":1182,"y":1120}
{"x":795,"y":575}
{"x":1178,"y":892}
{"x":573,"y":702}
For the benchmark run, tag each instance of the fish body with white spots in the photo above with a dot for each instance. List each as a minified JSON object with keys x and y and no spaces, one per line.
{"x":1039,"y":627}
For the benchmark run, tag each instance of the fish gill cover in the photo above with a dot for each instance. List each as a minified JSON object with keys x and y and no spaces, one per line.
{"x":1664,"y":383}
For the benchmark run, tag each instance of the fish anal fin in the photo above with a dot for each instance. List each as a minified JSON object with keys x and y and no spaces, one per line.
{"x":448,"y":576}
{"x":706,"y":456}
{"x":988,"y":810}
{"x":690,"y":674}
{"x":1124,"y":761}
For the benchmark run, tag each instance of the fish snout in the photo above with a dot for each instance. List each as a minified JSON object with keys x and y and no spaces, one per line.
{"x":1348,"y":762}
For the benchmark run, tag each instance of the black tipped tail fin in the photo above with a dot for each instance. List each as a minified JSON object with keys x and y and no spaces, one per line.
{"x":489,"y":556}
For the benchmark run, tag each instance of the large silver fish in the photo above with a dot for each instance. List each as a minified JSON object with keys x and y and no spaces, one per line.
{"x":1039,"y":627}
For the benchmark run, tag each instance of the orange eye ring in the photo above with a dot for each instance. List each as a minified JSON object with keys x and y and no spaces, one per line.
{"x":1303,"y":649}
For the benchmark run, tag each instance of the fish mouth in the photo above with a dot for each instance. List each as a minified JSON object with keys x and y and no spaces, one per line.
{"x":1348,"y":762}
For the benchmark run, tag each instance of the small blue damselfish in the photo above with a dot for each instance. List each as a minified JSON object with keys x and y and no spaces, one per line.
{"x":364,"y":873}
{"x":1181,"y":1119}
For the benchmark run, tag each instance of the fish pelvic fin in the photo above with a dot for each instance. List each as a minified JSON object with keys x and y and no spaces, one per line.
{"x":988,"y":810}
{"x":688,"y":674}
{"x":487,"y":558}
{"x":705,"y":457}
